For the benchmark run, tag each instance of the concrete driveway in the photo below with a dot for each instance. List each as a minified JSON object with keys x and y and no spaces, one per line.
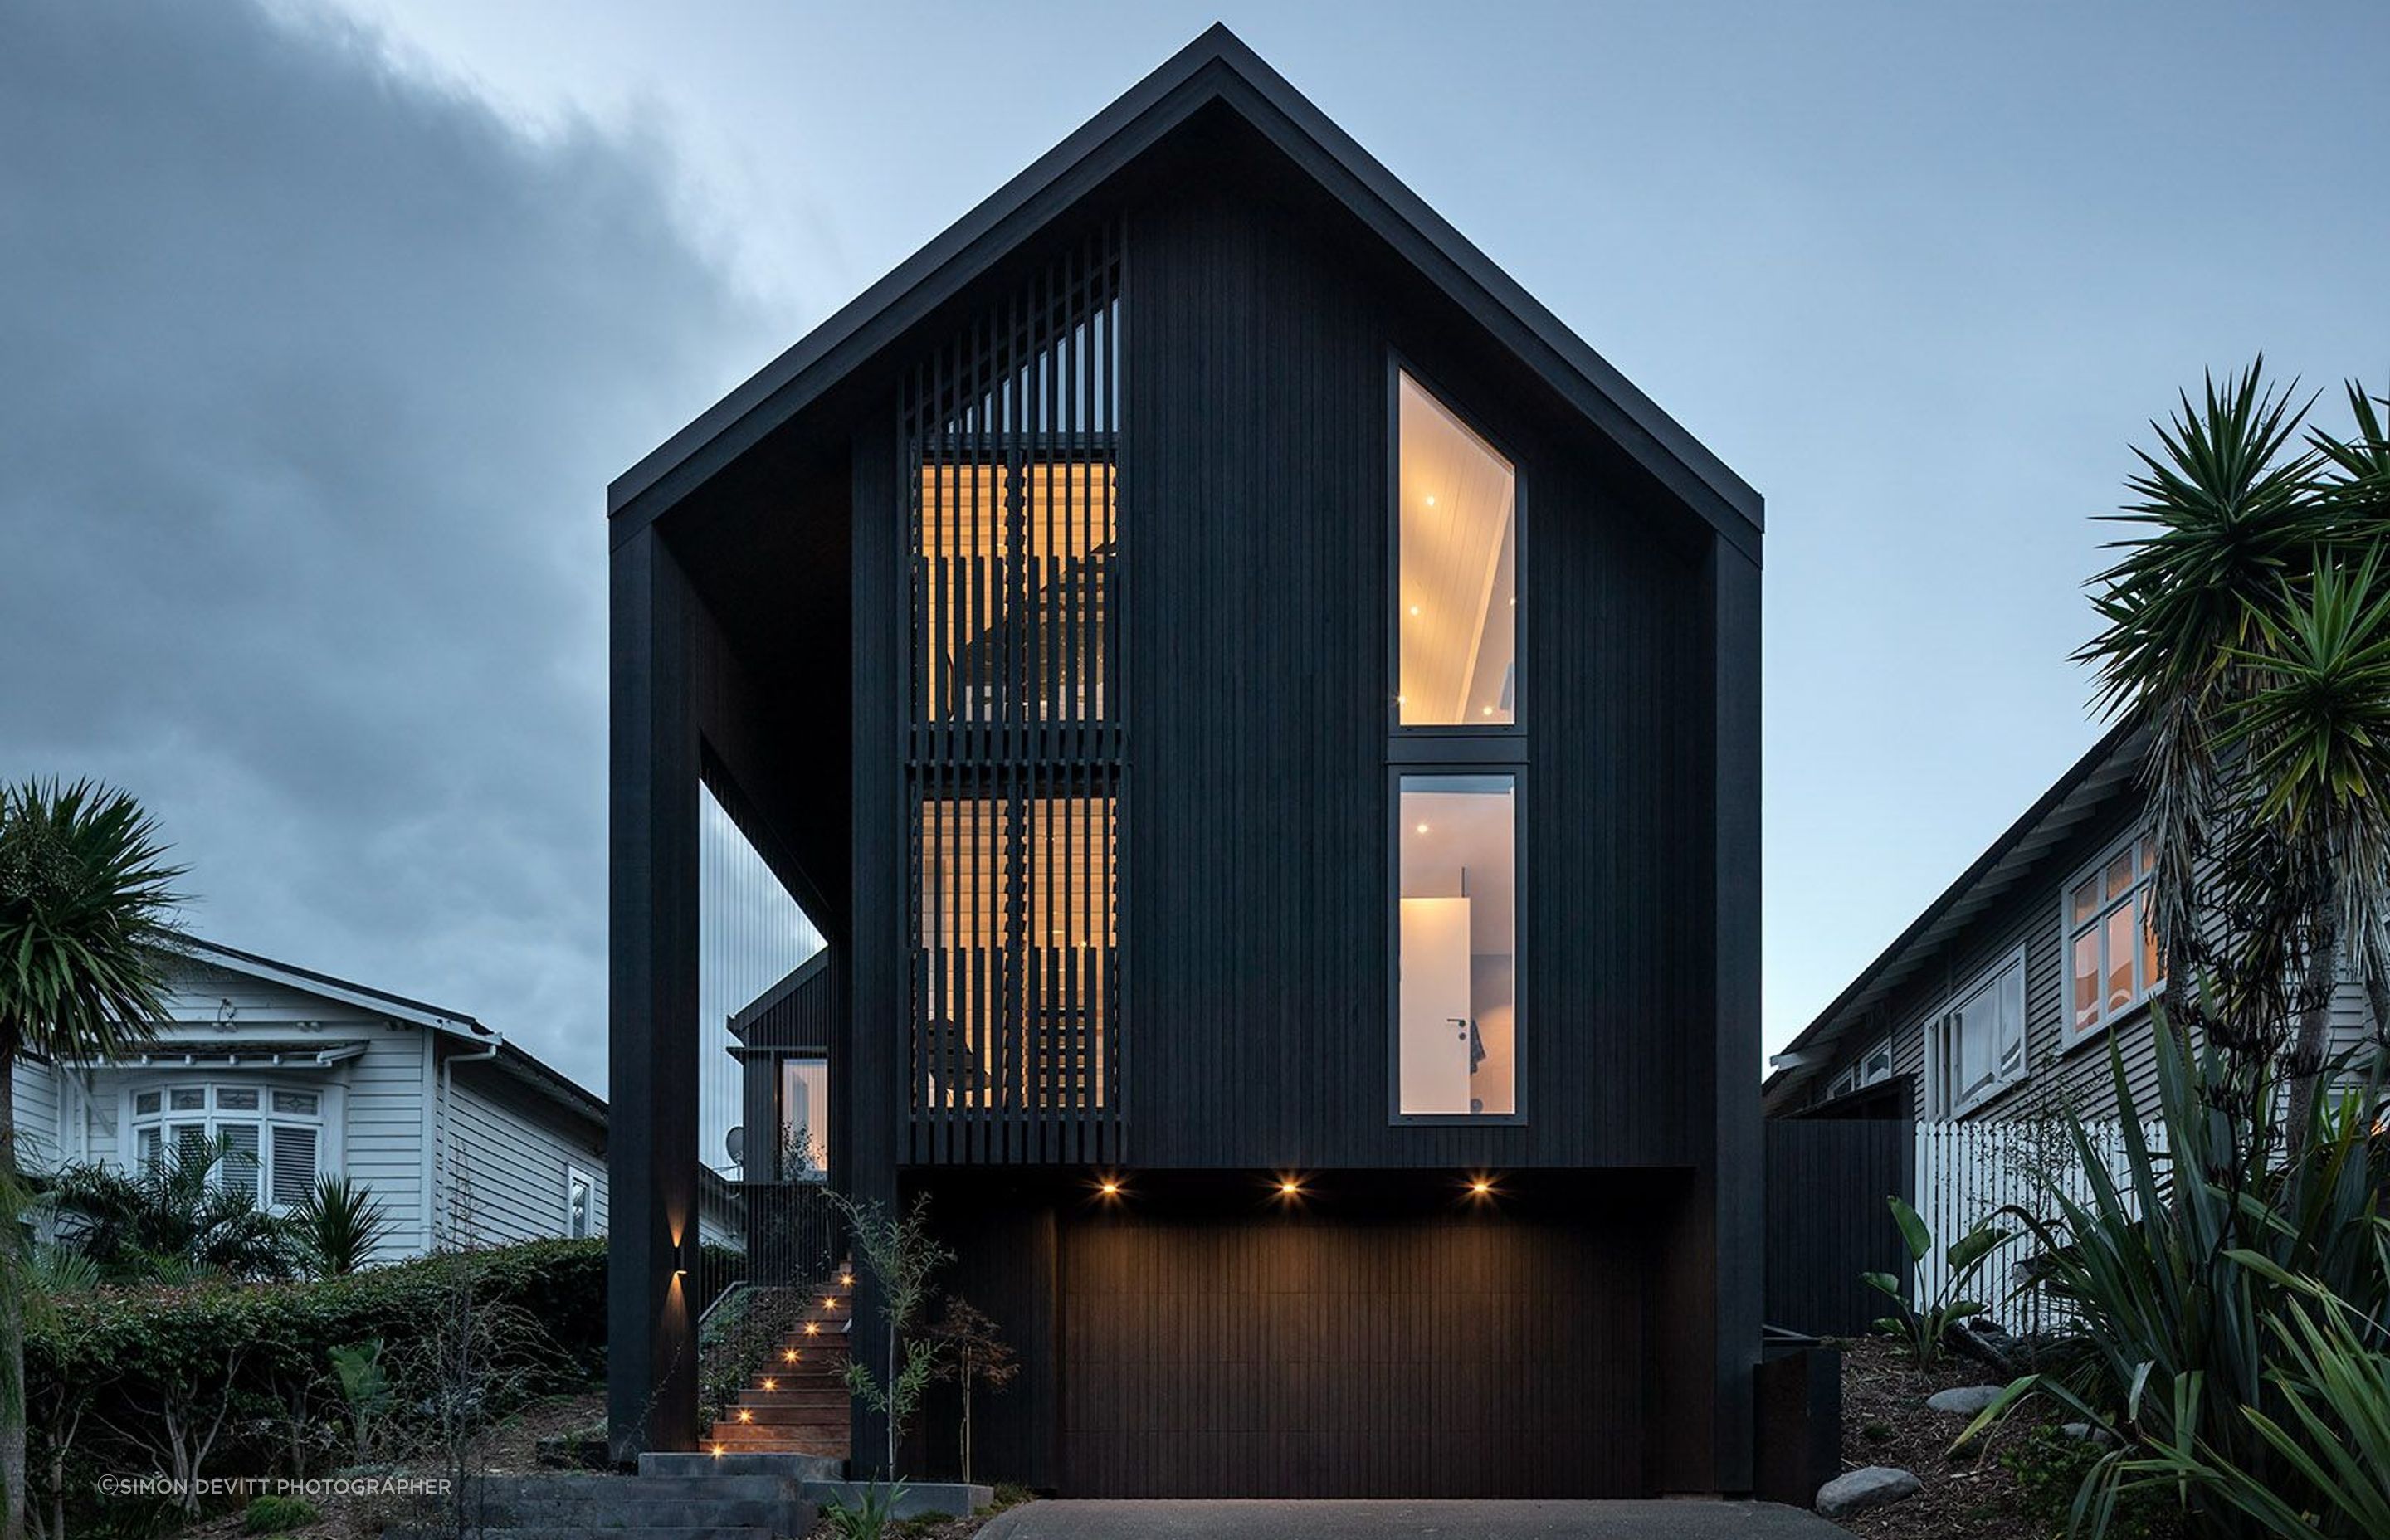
{"x":1223,"y":1519}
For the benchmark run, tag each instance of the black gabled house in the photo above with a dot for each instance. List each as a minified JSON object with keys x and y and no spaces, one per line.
{"x":1267,"y":721}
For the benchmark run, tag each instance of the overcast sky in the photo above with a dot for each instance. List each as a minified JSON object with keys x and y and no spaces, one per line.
{"x":323,"y":327}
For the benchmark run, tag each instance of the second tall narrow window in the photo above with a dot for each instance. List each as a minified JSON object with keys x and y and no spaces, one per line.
{"x":1457,"y":589}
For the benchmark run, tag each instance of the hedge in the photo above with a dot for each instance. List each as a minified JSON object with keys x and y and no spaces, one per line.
{"x":118,"y":1354}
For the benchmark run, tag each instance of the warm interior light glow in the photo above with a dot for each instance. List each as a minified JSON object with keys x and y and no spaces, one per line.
{"x":1108,"y":1188}
{"x":1457,"y":544}
{"x":1288,"y":1188}
{"x":1481,"y":1187}
{"x":1422,"y":829}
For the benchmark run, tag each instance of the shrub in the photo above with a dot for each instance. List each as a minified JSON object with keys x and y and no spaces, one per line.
{"x":272,"y":1515}
{"x":2051,"y":1466}
{"x":2183,"y":1276}
{"x":236,"y":1356}
{"x":1922,"y":1327}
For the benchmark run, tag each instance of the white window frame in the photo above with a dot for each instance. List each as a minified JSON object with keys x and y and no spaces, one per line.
{"x":2137,"y":893}
{"x":576,"y":1174}
{"x":1943,"y":1100}
{"x":214,"y":1118}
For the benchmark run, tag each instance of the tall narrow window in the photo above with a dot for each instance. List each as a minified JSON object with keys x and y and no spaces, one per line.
{"x":1457,"y":1027}
{"x":1457,"y":591}
{"x":804,"y":1120}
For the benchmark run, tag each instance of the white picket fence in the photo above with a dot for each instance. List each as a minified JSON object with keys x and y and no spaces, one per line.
{"x":1967,"y":1172}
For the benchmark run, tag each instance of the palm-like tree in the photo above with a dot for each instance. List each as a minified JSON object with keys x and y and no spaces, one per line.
{"x":86,"y":903}
{"x":2247,"y":623}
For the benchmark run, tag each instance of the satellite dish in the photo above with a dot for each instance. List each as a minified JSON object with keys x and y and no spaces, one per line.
{"x":736,"y":1142}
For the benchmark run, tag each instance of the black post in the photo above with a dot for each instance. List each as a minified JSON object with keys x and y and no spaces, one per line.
{"x":651,"y":1009}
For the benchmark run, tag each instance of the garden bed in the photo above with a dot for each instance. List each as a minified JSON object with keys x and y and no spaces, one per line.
{"x":2016,"y":1486}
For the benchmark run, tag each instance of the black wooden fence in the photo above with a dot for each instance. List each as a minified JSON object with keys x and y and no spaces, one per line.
{"x":1828,"y":1222}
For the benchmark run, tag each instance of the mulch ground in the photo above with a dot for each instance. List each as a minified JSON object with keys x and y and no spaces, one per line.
{"x":1885,"y":1422}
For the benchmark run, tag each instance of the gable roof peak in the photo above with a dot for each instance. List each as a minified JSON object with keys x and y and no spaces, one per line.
{"x":1216,"y":66}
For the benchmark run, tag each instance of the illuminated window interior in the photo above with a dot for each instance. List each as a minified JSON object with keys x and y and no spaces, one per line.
{"x":1458,"y":1020}
{"x":1456,"y":593}
{"x":1011,"y":560}
{"x":1017,"y":927}
{"x":804,"y":1120}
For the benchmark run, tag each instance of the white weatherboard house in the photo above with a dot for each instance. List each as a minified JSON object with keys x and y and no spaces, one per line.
{"x":463,"y":1136}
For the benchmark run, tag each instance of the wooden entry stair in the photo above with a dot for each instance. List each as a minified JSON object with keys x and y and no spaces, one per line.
{"x":799,"y":1403}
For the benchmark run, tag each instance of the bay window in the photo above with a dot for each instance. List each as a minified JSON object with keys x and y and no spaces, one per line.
{"x":269,"y":1139}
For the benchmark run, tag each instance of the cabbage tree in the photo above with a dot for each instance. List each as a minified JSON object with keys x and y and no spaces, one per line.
{"x":86,"y":903}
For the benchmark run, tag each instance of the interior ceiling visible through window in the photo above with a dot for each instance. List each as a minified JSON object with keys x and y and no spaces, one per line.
{"x":1458,"y":559}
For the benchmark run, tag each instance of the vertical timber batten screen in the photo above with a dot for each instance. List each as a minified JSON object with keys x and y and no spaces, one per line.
{"x":1018,"y":746}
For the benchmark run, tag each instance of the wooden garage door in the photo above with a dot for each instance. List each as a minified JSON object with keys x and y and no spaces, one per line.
{"x":1298,"y":1358}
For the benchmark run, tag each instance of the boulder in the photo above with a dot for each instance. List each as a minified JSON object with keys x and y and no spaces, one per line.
{"x":1966,"y":1400}
{"x":2084,"y":1432}
{"x":1856,"y":1491}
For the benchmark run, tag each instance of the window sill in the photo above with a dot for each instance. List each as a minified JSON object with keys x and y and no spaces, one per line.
{"x":2071,"y":1042}
{"x":1984,"y":1097}
{"x":1457,"y":1120}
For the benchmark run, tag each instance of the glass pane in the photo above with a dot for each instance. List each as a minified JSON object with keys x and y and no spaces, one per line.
{"x":2152,"y":969}
{"x":295,"y":1101}
{"x":240,"y":1165}
{"x":1458,"y":587}
{"x":804,"y":1120}
{"x":2009,"y":1060}
{"x":188,"y":1098}
{"x":229,"y":1099}
{"x":191,"y":1140}
{"x":1457,"y":1026}
{"x":2121,"y":947}
{"x":2087,"y":901}
{"x":1017,"y":919}
{"x":148,"y":1143}
{"x":2149,"y":849}
{"x":147,"y":1101}
{"x":577,"y":1208}
{"x":1013,"y":563}
{"x":2086,"y":981}
{"x":2120,"y":875}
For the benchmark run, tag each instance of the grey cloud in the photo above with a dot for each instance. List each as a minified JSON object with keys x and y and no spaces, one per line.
{"x":310,"y":380}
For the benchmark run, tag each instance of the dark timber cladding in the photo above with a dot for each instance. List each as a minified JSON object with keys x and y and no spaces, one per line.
{"x":1017,"y":751}
{"x":1033,"y":615}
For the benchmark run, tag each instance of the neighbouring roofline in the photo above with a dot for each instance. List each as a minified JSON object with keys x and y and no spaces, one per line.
{"x":1216,"y":66}
{"x":2074,"y":796}
{"x":746,"y":1016}
{"x":519,"y":1061}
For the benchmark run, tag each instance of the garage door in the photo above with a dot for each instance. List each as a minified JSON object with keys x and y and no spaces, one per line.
{"x":1298,"y":1358}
